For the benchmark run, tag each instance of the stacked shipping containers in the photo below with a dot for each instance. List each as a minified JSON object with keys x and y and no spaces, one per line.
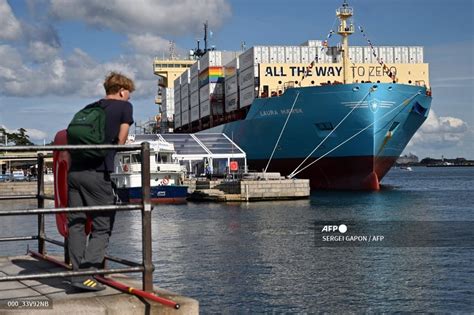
{"x":177,"y":102}
{"x":231,"y":85}
{"x":185,"y":107}
{"x":211,"y":82}
{"x":201,"y":90}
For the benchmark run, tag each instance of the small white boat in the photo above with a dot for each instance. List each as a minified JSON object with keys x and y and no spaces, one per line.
{"x":166,"y":174}
{"x":406,"y":168}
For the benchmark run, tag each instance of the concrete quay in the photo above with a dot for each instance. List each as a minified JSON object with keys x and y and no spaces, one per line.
{"x":64,"y":299}
{"x":253,"y":189}
{"x":23,"y":188}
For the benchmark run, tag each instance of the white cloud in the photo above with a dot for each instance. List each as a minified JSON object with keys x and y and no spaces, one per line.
{"x":440,"y":133}
{"x":36,"y":134}
{"x":9,"y":25}
{"x":170,"y":17}
{"x":148,"y":44}
{"x":41,"y":51}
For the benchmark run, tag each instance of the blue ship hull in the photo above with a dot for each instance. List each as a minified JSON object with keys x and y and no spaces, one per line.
{"x":158,"y":194}
{"x":359,"y":151}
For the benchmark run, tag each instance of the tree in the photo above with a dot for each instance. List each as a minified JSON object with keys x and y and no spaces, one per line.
{"x":17,"y":138}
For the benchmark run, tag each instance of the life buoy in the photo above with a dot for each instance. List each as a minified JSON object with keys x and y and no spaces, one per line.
{"x":60,"y":169}
{"x":165,"y":181}
{"x":125,"y":168}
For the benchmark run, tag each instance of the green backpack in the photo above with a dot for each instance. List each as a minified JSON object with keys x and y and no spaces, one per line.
{"x":88,"y":127}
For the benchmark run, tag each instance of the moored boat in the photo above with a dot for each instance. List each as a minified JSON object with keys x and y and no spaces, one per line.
{"x":165,"y":174}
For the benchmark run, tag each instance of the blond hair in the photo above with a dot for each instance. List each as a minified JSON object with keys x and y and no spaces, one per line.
{"x":116,"y":81}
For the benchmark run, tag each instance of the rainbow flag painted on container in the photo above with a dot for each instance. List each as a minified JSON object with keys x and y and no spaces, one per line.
{"x":211,"y":75}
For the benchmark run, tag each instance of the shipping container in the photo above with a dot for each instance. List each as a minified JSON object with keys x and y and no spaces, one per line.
{"x":246,"y":96}
{"x":231,"y":68}
{"x":254,"y":56}
{"x":184,"y":118}
{"x":211,"y":90}
{"x":231,"y":85}
{"x":325,"y":55}
{"x":194,"y":99}
{"x":177,"y":92}
{"x":313,"y":53}
{"x":292,"y":54}
{"x":276,"y":54}
{"x":177,"y":120}
{"x":185,"y":77}
{"x":204,"y":108}
{"x":356,"y":54}
{"x":194,"y":113}
{"x":177,"y":107}
{"x":313,"y":43}
{"x":211,"y":75}
{"x":194,"y":85}
{"x":194,"y":70}
{"x":184,"y":90}
{"x":217,"y":58}
{"x":336,"y":55}
{"x":248,"y":77}
{"x":217,"y":108}
{"x":369,"y":54}
{"x":416,"y":54}
{"x":185,"y":104}
{"x":231,"y":102}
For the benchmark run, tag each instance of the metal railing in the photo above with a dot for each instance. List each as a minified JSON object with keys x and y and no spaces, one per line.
{"x":145,"y":267}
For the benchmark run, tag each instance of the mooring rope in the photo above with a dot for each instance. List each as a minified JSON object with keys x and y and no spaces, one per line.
{"x":405,"y":103}
{"x":281,"y":132}
{"x":329,"y":134}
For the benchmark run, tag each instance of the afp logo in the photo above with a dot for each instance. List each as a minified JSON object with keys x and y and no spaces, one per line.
{"x":335,"y":228}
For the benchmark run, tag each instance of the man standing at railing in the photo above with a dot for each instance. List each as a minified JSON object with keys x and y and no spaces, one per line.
{"x":90,"y":185}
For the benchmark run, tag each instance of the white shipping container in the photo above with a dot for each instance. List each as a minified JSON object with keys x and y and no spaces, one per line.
{"x":336,"y":55}
{"x":247,"y":95}
{"x":276,"y":54}
{"x":305,"y":55}
{"x":289,"y":54}
{"x":313,"y":43}
{"x":420,"y":54}
{"x":254,"y":56}
{"x":412,"y":54}
{"x":185,"y":90}
{"x":194,"y":113}
{"x":231,"y":84}
{"x":211,"y":58}
{"x":195,"y":68}
{"x":177,"y":107}
{"x":247,"y":77}
{"x":313,"y":53}
{"x":177,"y":92}
{"x":185,"y":104}
{"x":231,"y":68}
{"x":231,"y":102}
{"x":185,"y":77}
{"x":389,"y":54}
{"x":204,"y":108}
{"x":356,"y":54}
{"x":194,"y":84}
{"x":184,"y":118}
{"x":325,"y":55}
{"x":216,"y":89}
{"x":194,"y":99}
{"x":177,"y":120}
{"x":369,"y":55}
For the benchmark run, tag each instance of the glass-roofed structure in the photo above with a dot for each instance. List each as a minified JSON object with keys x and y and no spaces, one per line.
{"x":203,"y":153}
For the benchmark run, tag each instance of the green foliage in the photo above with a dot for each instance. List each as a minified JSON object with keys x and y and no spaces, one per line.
{"x":16,"y":138}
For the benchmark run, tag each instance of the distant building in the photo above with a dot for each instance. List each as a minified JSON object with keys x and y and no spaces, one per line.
{"x":407,"y":159}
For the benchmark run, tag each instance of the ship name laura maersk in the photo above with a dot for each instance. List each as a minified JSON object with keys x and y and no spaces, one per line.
{"x":337,"y":115}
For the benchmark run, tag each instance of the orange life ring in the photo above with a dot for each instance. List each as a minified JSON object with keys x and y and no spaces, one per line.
{"x":60,"y":171}
{"x":165,"y":181}
{"x":125,"y":168}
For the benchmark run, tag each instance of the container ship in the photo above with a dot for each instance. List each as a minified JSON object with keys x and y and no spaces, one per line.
{"x":339,"y":116}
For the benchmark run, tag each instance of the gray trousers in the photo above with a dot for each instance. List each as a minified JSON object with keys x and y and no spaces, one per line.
{"x":89,"y":188}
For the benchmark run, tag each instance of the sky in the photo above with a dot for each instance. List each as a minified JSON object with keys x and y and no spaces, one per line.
{"x":54,"y":54}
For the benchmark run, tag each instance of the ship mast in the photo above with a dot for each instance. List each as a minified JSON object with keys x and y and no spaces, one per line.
{"x":344,"y":13}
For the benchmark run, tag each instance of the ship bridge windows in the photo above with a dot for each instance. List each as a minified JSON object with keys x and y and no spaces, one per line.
{"x":324,"y":126}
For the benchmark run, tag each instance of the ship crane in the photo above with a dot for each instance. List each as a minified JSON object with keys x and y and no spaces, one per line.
{"x":344,"y":13}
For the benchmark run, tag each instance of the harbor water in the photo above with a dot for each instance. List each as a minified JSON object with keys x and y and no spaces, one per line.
{"x":264,"y":257}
